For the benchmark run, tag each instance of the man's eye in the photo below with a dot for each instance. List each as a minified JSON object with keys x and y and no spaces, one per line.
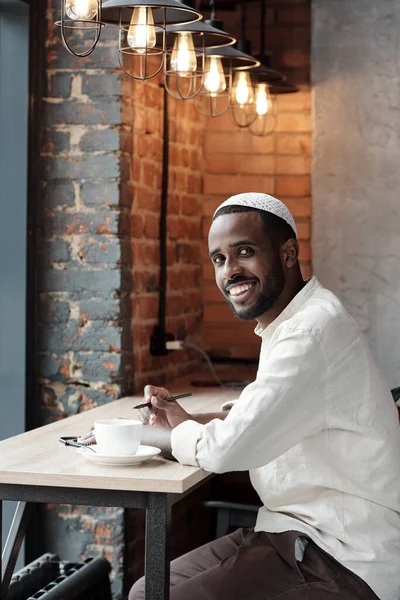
{"x":218,"y":259}
{"x":245,"y":251}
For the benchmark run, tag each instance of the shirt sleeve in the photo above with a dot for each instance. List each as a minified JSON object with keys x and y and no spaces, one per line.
{"x":285,"y":404}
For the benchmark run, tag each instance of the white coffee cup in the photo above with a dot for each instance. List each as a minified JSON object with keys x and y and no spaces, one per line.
{"x":118,"y":437}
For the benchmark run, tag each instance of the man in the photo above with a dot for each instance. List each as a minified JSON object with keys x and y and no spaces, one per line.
{"x":317,"y":430}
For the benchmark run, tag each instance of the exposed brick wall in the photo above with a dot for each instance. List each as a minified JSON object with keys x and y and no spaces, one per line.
{"x":280,"y":164}
{"x":142,"y":146}
{"x":85,"y":357}
{"x":98,"y":256}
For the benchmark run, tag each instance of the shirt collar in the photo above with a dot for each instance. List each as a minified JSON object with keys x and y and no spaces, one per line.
{"x":292,"y":308}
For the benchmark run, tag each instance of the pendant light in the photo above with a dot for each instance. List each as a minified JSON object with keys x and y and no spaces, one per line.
{"x":142,"y":32}
{"x":221,"y":66}
{"x":187,"y":44}
{"x":263,"y":78}
{"x":243,"y":110}
{"x":243,"y":97}
{"x":267,"y":110}
{"x":265,"y":105}
{"x":83,"y":17}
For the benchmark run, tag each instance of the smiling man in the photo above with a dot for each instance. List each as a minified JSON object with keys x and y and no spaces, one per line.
{"x":317,"y":430}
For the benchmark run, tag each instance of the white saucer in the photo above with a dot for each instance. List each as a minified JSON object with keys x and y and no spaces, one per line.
{"x":144,"y":453}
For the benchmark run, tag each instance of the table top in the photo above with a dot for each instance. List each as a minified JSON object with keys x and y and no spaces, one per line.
{"x":38,"y":458}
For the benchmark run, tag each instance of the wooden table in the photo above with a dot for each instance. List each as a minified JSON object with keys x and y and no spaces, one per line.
{"x":36,"y":467}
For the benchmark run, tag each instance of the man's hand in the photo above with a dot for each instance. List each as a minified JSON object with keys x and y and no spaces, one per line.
{"x":88,"y":438}
{"x":161,"y":413}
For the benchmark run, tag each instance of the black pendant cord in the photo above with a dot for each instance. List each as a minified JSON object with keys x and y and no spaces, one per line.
{"x":163,"y":215}
{"x":262,"y":28}
{"x":212,"y":8}
{"x":159,"y":335}
{"x":243,"y":44}
{"x":244,"y":20}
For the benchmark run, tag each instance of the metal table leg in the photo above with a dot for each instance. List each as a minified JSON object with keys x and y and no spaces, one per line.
{"x":158,"y":526}
{"x":13,"y":544}
{"x":2,"y":596}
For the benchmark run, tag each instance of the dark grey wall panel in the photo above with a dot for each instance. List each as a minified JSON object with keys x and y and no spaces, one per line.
{"x":13,"y":203}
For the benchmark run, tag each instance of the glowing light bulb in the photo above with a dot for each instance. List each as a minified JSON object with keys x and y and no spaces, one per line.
{"x":214,"y":76}
{"x":262,"y":99}
{"x":183,"y":57}
{"x":141,"y":33}
{"x":242,"y":88}
{"x":81,"y":9}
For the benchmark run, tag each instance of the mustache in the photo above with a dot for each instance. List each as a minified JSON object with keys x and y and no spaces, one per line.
{"x":237,"y":281}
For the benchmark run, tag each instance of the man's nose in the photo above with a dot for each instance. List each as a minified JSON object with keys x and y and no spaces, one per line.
{"x":232,"y":268}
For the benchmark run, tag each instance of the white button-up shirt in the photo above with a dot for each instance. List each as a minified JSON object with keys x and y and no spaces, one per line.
{"x":319,"y":433}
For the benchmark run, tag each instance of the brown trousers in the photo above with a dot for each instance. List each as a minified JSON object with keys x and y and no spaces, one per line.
{"x":246,"y":565}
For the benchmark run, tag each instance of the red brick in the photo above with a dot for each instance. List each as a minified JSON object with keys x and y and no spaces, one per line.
{"x":294,"y":144}
{"x":305,"y":251}
{"x":175,"y":155}
{"x":218,"y":313}
{"x":242,"y":141}
{"x":298,"y":101}
{"x":211,"y":203}
{"x":241,"y":163}
{"x":206,"y":224}
{"x":219,"y":184}
{"x":142,"y":334}
{"x":139,"y":118}
{"x":153,"y":97}
{"x":194,"y":184}
{"x":293,"y":165}
{"x":223,"y":123}
{"x":211,"y":293}
{"x":152,"y":227}
{"x":249,"y":352}
{"x":173,"y":228}
{"x":137,"y":226}
{"x":147,"y":199}
{"x":292,"y":59}
{"x":193,"y":228}
{"x":303,"y":230}
{"x":195,"y":160}
{"x":299,"y":207}
{"x":293,"y":122}
{"x":208,"y":272}
{"x":306,"y":270}
{"x":151,"y":174}
{"x":145,"y":307}
{"x":288,"y":37}
{"x":293,"y":186}
{"x":145,"y":253}
{"x":294,"y":15}
{"x":190,"y":205}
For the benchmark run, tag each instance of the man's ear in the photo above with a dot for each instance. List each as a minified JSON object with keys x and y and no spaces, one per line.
{"x":290,"y":253}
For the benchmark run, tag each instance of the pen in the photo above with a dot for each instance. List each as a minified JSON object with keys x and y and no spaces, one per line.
{"x":170,"y":399}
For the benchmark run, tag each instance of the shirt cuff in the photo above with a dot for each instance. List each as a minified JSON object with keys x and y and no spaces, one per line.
{"x":184,"y":440}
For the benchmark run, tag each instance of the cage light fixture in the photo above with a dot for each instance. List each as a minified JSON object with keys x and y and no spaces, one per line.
{"x":142,"y":31}
{"x":186,"y":47}
{"x":265,"y":104}
{"x":221,"y":65}
{"x":248,"y":106}
{"x":265,"y":122}
{"x":82,"y":17}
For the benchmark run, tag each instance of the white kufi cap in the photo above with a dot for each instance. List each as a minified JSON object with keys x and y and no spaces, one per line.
{"x":261,"y":202}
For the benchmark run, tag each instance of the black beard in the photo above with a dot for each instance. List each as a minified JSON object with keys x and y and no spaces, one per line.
{"x":271,"y":290}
